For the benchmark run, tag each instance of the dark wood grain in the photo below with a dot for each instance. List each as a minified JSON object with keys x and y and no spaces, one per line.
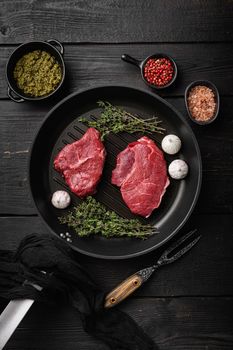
{"x":204,"y":271}
{"x":184,"y":306}
{"x":18,"y":124}
{"x":116,"y":21}
{"x":91,"y":65}
{"x":173,"y":323}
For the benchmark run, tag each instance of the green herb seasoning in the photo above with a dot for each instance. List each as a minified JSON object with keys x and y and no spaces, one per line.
{"x":91,"y":218}
{"x":114,"y":120}
{"x":37,"y":73}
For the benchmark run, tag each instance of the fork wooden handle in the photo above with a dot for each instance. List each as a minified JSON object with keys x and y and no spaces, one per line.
{"x":123,"y":290}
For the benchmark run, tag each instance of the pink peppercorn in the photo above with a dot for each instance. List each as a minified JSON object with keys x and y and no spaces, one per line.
{"x":158,"y":71}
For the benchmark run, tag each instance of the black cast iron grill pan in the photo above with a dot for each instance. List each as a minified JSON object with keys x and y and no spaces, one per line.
{"x":61,"y":127}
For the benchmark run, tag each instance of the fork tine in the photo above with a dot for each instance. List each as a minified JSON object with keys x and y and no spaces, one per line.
{"x":183,"y":251}
{"x":164,"y":257}
{"x":180,"y":241}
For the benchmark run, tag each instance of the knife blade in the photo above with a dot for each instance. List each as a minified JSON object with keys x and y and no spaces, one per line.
{"x":12,"y":315}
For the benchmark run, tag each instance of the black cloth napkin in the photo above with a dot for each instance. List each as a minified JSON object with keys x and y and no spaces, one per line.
{"x":66,"y":281}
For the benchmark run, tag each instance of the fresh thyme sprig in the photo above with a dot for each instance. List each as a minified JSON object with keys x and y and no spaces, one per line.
{"x":114,"y":119}
{"x":91,"y":218}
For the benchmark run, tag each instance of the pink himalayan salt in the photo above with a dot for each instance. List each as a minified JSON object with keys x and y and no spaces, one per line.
{"x":201,"y":103}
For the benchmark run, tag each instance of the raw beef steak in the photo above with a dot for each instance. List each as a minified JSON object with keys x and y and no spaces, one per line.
{"x":81,"y":163}
{"x":141,"y":173}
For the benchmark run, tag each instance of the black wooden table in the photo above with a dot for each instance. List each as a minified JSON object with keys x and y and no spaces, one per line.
{"x":187,"y":305}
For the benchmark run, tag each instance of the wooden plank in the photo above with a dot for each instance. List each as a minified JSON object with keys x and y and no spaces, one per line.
{"x":18,"y":124}
{"x":118,"y":21}
{"x":91,"y":65}
{"x":173,"y":323}
{"x":204,"y":271}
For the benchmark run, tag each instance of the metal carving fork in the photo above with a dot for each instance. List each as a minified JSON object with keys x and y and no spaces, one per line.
{"x":17,"y":309}
{"x":128,"y":286}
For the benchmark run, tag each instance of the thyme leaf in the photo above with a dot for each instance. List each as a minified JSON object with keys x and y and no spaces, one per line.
{"x":92,"y":218}
{"x":114,"y":119}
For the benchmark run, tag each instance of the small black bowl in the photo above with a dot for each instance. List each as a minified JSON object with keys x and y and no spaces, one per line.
{"x":14,"y":92}
{"x":141,"y":65}
{"x":217,"y":100}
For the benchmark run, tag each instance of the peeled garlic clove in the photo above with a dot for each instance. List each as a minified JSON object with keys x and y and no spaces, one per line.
{"x":171,"y":144}
{"x":61,"y":199}
{"x":178,"y":169}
